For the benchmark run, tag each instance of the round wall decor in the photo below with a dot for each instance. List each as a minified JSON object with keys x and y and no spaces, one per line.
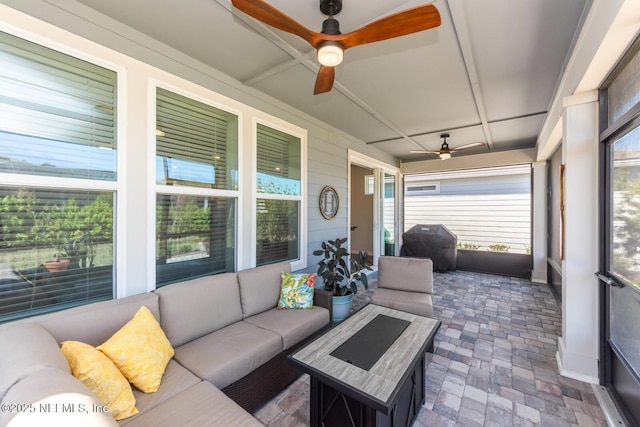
{"x":329,"y":202}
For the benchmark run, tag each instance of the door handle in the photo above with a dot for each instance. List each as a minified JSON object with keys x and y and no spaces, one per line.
{"x":609,"y":281}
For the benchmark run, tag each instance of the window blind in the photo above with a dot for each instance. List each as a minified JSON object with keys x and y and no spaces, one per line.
{"x":56,"y":249}
{"x":57,"y":113}
{"x":277,"y":236}
{"x":195,"y":236}
{"x":278,"y":162}
{"x":196,"y":143}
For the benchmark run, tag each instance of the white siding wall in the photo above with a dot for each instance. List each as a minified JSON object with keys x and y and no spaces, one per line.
{"x":480,"y":210}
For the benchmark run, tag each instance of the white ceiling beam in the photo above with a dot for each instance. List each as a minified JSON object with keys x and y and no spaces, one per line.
{"x":461,"y":29}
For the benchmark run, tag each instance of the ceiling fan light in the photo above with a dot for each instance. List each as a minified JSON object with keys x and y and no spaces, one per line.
{"x":445,"y":156}
{"x":330,"y":53}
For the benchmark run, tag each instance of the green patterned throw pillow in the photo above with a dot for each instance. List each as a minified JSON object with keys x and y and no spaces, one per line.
{"x":297,"y":291}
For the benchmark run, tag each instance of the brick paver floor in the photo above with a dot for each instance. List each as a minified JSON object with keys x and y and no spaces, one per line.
{"x":494,"y":361}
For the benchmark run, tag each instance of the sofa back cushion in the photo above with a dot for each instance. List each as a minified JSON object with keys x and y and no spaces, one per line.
{"x":94,"y":323}
{"x":27,"y":348}
{"x":197,"y":307}
{"x":260,"y":287}
{"x":405,"y":274}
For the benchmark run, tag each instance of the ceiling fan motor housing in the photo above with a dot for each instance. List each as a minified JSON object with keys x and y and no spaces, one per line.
{"x":330,"y":7}
{"x":331,"y":26}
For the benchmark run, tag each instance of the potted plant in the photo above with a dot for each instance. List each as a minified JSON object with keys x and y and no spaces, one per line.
{"x":341,"y":274}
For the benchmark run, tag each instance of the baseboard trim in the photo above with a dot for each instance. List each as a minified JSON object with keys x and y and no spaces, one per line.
{"x":576,"y":366}
{"x":538,"y":276}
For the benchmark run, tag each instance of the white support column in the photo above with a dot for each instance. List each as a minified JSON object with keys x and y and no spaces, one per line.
{"x":539,"y":227}
{"x":578,"y":346}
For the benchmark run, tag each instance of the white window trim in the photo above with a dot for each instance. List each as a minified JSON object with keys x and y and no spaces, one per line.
{"x":47,"y":35}
{"x":206,"y":97}
{"x":298,"y":132}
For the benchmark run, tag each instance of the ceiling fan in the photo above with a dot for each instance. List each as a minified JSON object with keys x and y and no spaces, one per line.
{"x":331,"y":43}
{"x":445,"y":152}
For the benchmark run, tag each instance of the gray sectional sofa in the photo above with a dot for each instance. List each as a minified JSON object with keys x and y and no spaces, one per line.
{"x":230,"y":346}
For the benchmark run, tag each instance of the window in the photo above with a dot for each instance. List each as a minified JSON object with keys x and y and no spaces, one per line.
{"x":197,"y":144}
{"x":197,"y":174}
{"x":278,"y":184}
{"x":57,"y":119}
{"x":368,"y":185}
{"x":56,"y":113}
{"x":195,"y":237}
{"x":625,"y":208}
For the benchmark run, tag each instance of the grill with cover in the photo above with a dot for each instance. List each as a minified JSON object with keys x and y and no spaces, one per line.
{"x":433,"y":241}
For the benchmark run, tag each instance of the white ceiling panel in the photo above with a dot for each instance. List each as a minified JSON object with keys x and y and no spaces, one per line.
{"x":332,"y":107}
{"x":519,"y":49}
{"x":517,"y":133}
{"x":203,"y":29}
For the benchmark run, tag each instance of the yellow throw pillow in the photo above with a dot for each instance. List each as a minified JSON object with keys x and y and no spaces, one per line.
{"x":101,"y":376}
{"x":140,"y":350}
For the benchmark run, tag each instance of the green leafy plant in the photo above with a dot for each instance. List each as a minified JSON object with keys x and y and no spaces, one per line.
{"x":341,"y":272}
{"x":498,"y":247}
{"x":470,"y":246}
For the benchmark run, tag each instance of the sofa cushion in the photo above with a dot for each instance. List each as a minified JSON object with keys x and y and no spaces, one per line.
{"x":296,"y":291}
{"x":292,"y":325}
{"x":47,"y":391}
{"x":201,"y":405}
{"x":140,"y":350}
{"x":94,"y":323}
{"x":405,"y":274}
{"x":175,"y":380}
{"x":229,"y":354}
{"x":260,"y":287}
{"x":27,"y":348}
{"x":197,"y":307}
{"x":411,"y":302}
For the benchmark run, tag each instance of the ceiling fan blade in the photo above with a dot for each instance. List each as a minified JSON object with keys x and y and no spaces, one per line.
{"x":400,"y":24}
{"x":264,"y":12}
{"x":464,"y":147}
{"x":324,"y":81}
{"x":423,"y":152}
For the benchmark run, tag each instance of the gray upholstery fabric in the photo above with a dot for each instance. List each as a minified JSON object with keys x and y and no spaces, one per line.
{"x":411,"y":302}
{"x":260,"y":287}
{"x":175,"y":380}
{"x":292,"y":325}
{"x":94,"y":323}
{"x":229,"y":354}
{"x":405,"y":284}
{"x":51,"y":387}
{"x":27,"y":348}
{"x":199,"y":406}
{"x":405,"y":274}
{"x":197,"y":307}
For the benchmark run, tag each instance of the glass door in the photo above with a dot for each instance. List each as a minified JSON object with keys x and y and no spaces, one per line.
{"x":620,"y":258}
{"x":622,"y":270}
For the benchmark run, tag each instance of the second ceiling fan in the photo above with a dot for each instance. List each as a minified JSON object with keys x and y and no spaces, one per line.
{"x":445,"y":152}
{"x":331,"y":43}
